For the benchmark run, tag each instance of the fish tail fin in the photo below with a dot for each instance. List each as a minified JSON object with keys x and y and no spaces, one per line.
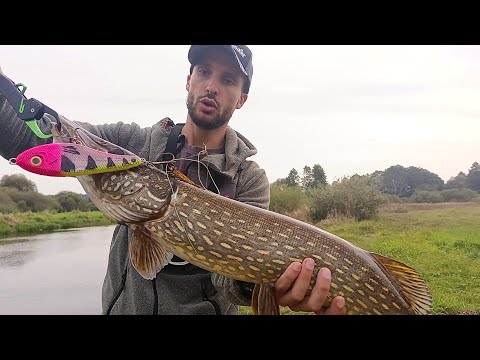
{"x":147,"y":255}
{"x":412,"y":286}
{"x":264,"y":301}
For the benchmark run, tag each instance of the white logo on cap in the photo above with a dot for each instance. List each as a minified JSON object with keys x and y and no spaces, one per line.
{"x":240,"y":51}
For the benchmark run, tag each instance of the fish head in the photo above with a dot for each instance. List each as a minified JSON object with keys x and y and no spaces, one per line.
{"x":133,"y":195}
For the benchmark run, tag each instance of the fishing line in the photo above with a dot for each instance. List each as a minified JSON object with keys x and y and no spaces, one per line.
{"x":204,"y":151}
{"x":209,"y":174}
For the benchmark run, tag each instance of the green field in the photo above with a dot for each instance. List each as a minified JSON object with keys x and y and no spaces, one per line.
{"x":440,"y":241}
{"x":32,"y":223}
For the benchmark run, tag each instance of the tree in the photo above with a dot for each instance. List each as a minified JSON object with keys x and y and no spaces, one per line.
{"x":473,"y":177}
{"x":70,"y":201}
{"x":33,"y":201}
{"x":394,"y":181}
{"x":307,"y":177}
{"x":293,"y":178}
{"x":421,"y":179}
{"x":375,"y":179}
{"x":319,"y":176}
{"x":457,"y":182}
{"x":280,"y":182}
{"x":18,"y":181}
{"x":401,"y":181}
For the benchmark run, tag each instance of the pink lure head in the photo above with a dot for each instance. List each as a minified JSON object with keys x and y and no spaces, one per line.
{"x":42,"y":160}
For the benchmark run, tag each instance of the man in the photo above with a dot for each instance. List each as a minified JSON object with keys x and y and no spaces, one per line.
{"x":218,"y":84}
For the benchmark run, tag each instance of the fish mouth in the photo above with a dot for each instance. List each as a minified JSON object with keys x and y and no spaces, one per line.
{"x":69,"y":131}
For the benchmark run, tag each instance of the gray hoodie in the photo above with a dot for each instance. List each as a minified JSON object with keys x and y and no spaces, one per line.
{"x":177,"y":289}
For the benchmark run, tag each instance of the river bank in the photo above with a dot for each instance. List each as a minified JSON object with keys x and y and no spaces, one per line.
{"x":36,"y":223}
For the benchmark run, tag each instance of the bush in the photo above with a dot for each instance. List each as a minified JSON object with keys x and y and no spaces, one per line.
{"x":426,"y":197}
{"x":70,"y":201}
{"x":350,"y":197}
{"x":7,"y":205}
{"x":393,"y":199}
{"x":286,"y":199}
{"x":458,"y":195}
{"x":33,"y":201}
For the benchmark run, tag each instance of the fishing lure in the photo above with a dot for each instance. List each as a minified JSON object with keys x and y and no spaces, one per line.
{"x":67,"y":159}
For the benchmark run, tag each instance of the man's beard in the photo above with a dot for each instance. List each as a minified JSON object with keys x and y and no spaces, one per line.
{"x":197,"y":119}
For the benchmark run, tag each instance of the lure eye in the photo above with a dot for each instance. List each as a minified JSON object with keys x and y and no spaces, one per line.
{"x":36,"y":161}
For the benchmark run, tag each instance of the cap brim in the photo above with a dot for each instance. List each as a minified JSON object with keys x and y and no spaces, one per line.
{"x":197,"y":51}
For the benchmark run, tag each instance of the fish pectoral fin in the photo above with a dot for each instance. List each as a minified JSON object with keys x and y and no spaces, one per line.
{"x":264,"y":301}
{"x":412,"y":286}
{"x":148,"y":255}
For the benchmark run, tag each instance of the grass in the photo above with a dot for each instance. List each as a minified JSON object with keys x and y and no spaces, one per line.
{"x":31,"y":223}
{"x":440,"y":241}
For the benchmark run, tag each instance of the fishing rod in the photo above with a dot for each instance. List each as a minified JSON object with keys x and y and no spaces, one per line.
{"x":29,"y":110}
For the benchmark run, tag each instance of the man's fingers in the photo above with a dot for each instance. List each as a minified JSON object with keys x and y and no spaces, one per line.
{"x":286,"y":280}
{"x":337,"y":307}
{"x":297,"y":293}
{"x":320,"y":290}
{"x":302,"y":283}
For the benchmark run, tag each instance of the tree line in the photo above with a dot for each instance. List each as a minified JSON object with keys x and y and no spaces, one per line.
{"x":360,"y":196}
{"x":395,"y":180}
{"x":19,"y":194}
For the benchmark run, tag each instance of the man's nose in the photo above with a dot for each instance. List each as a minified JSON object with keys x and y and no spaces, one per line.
{"x":212,"y":87}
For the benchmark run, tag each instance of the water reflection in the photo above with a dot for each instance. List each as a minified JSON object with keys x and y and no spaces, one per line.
{"x":57,"y":273}
{"x":15,"y":257}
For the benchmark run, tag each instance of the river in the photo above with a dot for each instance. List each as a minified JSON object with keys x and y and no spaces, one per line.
{"x":58,"y":273}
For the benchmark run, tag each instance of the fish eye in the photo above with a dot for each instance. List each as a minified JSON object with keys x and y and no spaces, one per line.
{"x":36,"y":161}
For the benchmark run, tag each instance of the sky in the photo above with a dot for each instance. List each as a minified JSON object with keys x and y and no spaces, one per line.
{"x":353,"y":109}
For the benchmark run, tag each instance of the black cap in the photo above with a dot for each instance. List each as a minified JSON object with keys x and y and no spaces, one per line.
{"x":242,"y":54}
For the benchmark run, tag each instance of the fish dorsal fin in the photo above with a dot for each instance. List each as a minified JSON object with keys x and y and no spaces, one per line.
{"x":148,"y":255}
{"x":412,"y":287}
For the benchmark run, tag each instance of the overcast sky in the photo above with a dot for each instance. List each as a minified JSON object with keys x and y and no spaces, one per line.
{"x":351,"y":109}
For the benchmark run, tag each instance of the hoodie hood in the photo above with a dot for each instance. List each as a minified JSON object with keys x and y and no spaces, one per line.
{"x":237,"y":149}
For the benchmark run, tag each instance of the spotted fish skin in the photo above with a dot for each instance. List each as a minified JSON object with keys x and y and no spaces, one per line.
{"x":247,"y":243}
{"x":243,"y":242}
{"x":69,"y":159}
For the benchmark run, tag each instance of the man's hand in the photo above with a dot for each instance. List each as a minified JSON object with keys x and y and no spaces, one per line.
{"x":291,"y":289}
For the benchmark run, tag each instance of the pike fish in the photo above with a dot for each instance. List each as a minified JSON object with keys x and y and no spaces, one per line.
{"x":170,"y":216}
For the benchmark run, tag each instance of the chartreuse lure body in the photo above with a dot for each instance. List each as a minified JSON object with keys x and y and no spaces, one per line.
{"x":69,"y":159}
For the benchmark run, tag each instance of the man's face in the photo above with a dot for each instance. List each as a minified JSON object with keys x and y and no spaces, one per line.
{"x":214,"y":90}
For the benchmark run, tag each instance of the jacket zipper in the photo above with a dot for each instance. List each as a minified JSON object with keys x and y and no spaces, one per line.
{"x":155,"y":301}
{"x":124,"y":278}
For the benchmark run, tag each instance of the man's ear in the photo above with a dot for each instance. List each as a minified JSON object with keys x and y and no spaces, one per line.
{"x":187,"y":85}
{"x":241,"y":101}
